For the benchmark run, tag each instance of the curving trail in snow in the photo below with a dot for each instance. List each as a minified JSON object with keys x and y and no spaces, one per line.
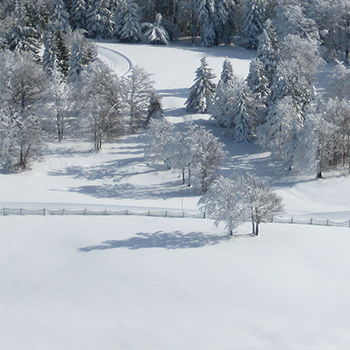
{"x":118,"y":62}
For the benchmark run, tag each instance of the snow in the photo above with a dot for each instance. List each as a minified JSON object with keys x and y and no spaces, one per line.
{"x":127,"y":282}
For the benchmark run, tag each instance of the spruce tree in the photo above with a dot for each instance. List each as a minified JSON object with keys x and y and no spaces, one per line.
{"x":222,"y":108}
{"x":78,"y":14}
{"x":242,"y":119}
{"x":253,"y":24}
{"x":59,"y":15}
{"x":202,"y":92}
{"x":154,"y":33}
{"x":127,"y":22}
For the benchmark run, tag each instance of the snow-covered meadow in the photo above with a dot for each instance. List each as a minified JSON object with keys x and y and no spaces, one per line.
{"x":115,"y":282}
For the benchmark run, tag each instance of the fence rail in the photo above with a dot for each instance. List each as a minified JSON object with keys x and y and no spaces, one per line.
{"x":86,"y":211}
{"x":161,"y":213}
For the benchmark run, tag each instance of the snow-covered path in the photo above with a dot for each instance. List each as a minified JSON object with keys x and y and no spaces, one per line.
{"x":115,"y":60}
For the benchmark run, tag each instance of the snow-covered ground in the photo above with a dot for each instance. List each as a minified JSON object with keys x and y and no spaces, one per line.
{"x":115,"y":282}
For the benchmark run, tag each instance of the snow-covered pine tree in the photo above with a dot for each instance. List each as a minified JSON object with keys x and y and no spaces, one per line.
{"x":202,"y":92}
{"x":258,"y":82}
{"x":243,"y":121}
{"x":127,"y":22}
{"x":154,"y":33}
{"x":268,"y":52}
{"x":205,"y":13}
{"x":223,"y":105}
{"x":59,"y":15}
{"x":224,"y":23}
{"x":22,"y":37}
{"x":75,"y":62}
{"x":99,"y":20}
{"x":49,"y":56}
{"x":61,"y":50}
{"x":253,"y":24}
{"x":78,"y":14}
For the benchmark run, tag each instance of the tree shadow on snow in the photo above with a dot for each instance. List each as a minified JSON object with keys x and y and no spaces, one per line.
{"x":127,"y":190}
{"x":160,"y":239}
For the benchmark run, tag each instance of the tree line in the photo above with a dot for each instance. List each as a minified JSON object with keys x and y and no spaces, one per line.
{"x":277,"y":106}
{"x":214,"y":22}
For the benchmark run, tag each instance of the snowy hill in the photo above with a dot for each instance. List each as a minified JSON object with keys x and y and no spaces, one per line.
{"x":158,"y":283}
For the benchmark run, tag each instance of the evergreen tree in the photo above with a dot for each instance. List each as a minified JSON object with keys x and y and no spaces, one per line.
{"x":242,"y":119}
{"x":258,"y":82}
{"x":49,"y":56}
{"x":22,"y":37}
{"x":202,"y":92}
{"x":224,"y":23}
{"x":99,"y":20}
{"x":78,"y":14}
{"x":268,"y":52}
{"x":127,"y":22}
{"x":223,"y":106}
{"x":59,"y":16}
{"x":154,"y":33}
{"x":62,"y":51}
{"x":253,"y":24}
{"x":205,"y":14}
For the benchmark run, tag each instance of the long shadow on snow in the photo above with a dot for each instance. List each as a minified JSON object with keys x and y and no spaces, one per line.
{"x":108,"y":170}
{"x":122,"y":191}
{"x":160,"y":239}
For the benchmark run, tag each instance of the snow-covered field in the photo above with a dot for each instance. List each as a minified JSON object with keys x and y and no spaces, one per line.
{"x":114,"y":282}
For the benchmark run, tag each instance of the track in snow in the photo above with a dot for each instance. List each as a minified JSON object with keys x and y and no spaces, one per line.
{"x":115,"y":60}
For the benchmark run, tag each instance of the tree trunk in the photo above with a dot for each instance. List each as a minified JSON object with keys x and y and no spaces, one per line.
{"x":257,"y":228}
{"x":319,"y":175}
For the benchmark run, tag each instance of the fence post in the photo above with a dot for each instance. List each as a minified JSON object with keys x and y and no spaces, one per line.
{"x":149,"y":212}
{"x":20,"y":211}
{"x":126,"y":212}
{"x":291,"y":220}
{"x":63,"y":211}
{"x":44,"y":211}
{"x":166,"y":213}
{"x":183,"y":215}
{"x":311,"y":221}
{"x":327,"y":222}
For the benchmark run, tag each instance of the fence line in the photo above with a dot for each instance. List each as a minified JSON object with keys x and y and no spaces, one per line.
{"x":161,"y":213}
{"x":89,"y":212}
